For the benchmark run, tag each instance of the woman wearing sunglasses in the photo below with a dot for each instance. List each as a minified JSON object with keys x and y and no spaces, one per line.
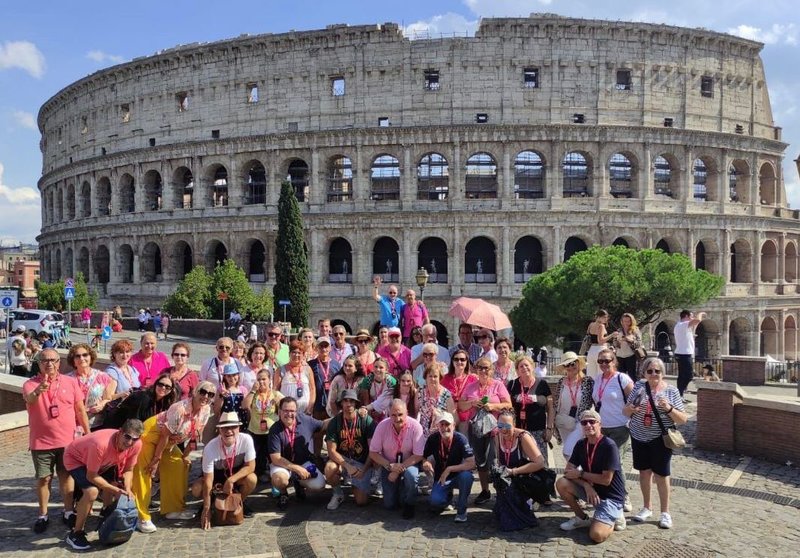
{"x":145,"y":403}
{"x":212,"y":370}
{"x":182,"y":423}
{"x":651,"y":400}
{"x":457,"y":379}
{"x":184,"y":378}
{"x":98,"y":387}
{"x":573,"y":396}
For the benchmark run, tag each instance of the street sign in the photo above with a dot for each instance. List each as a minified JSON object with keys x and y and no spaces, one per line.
{"x":69,"y":283}
{"x":69,"y":293}
{"x":222,"y":296}
{"x":8,"y":298}
{"x":284,"y":303}
{"x":106,"y":333}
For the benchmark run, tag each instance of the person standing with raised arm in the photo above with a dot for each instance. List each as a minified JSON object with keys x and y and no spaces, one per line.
{"x":391,"y":307}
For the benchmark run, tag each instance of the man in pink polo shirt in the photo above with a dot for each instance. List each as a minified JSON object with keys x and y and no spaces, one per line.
{"x":414,"y":314}
{"x":148,"y":361}
{"x":55,"y":410}
{"x":102,"y":460}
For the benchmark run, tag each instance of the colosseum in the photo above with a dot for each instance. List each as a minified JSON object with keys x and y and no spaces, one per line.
{"x":484,"y":159}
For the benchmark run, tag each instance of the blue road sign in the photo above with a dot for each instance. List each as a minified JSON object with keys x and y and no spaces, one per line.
{"x":69,"y":293}
{"x":284,"y":303}
{"x":69,"y":283}
{"x":7,"y":301}
{"x":107,"y":333}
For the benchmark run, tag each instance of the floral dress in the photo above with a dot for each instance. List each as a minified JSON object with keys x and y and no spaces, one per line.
{"x":93,"y":386}
{"x":430,"y":406}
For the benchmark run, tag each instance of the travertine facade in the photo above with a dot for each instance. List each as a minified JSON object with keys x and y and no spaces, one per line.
{"x":483,"y":159}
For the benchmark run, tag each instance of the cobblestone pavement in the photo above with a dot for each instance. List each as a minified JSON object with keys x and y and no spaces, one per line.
{"x":740,"y":519}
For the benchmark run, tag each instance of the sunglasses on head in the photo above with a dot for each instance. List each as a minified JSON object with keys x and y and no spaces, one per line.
{"x":209,"y":394}
{"x":588,"y":421}
{"x":604,"y":361}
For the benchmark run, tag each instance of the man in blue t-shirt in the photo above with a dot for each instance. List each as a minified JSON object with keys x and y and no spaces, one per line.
{"x":390,"y":306}
{"x":594,"y":474}
{"x":453,"y":461}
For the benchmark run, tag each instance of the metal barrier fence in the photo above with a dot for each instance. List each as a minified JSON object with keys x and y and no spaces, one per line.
{"x":670,"y":366}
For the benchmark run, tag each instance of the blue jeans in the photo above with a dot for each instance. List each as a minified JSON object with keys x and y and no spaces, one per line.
{"x":402,"y":491}
{"x":442,"y":495}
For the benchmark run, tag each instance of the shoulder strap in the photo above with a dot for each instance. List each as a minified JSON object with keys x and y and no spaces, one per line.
{"x":655,"y":409}
{"x":619,"y":381}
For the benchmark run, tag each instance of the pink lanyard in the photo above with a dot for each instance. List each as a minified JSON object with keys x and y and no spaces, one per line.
{"x":601,"y":389}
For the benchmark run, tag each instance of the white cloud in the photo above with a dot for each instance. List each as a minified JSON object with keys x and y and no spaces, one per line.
{"x":507,"y":8}
{"x":22,"y":216}
{"x":445,"y":24}
{"x":25,"y":119}
{"x":102,"y":57}
{"x":786,"y":34}
{"x":23,"y":55}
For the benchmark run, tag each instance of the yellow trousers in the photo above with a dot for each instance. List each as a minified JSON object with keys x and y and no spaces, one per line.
{"x":172,"y":471}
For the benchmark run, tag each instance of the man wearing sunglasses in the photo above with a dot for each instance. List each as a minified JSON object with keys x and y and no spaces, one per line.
{"x":102,"y":460}
{"x":391,"y":307}
{"x":277,"y":352}
{"x":594,"y":474}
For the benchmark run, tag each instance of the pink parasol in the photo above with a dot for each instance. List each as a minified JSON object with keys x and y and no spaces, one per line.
{"x":478,"y":312}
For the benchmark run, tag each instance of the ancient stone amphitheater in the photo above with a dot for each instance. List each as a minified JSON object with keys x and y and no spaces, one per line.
{"x":484,"y":159}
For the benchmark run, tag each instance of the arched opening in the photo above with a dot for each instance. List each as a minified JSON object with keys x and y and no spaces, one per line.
{"x":386,"y":259}
{"x":576,"y":176}
{"x":256,"y":262}
{"x":432,"y":255}
{"x":69,"y":270}
{"x":83,"y":263}
{"x":662,"y":337}
{"x":619,"y":241}
{"x":663,"y":245}
{"x":741,"y":262}
{"x":127,"y":194}
{"x":739,"y":181}
{"x":219,"y":187}
{"x":86,"y":201}
{"x":528,"y":176}
{"x":707,"y":340}
{"x":790,"y":263}
{"x":769,"y":338}
{"x":102,"y":265}
{"x":385,"y":178}
{"x":480,"y":261}
{"x":342,"y":323}
{"x":528,"y":258}
{"x":790,"y":338}
{"x":57,"y":266}
{"x":664,"y":181}
{"x":69,"y":202}
{"x":621,"y":174}
{"x":153,"y":190}
{"x":182,"y":259}
{"x":769,"y":262}
{"x":766,"y":184}
{"x":125,"y":263}
{"x":216,"y":254}
{"x":256,"y":187}
{"x":340,"y":179}
{"x":58,"y":206}
{"x":298,"y":177}
{"x":442,"y":336}
{"x":572,"y":246}
{"x":340,"y":261}
{"x":103,"y":196}
{"x":183,"y":188}
{"x":700,"y":184}
{"x":700,"y":256}
{"x":433,"y":178}
{"x":151,"y":263}
{"x":739,"y":337}
{"x":480,"y":181}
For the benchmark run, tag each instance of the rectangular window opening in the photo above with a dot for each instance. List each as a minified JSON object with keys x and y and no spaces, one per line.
{"x":152,"y":142}
{"x":432,"y":80}
{"x":102,"y":151}
{"x":214,"y":134}
{"x":125,"y":112}
{"x":623,"y":80}
{"x":84,"y":125}
{"x":668,"y":122}
{"x":707,"y":86}
{"x":183,"y":101}
{"x":383,"y":122}
{"x":739,"y":129}
{"x":578,"y":118}
{"x":252,"y":93}
{"x":292,"y":126}
{"x":337,"y":86}
{"x":481,"y":118}
{"x":530,"y":78}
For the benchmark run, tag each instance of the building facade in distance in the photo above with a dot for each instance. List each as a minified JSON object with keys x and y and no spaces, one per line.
{"x":485,"y":160}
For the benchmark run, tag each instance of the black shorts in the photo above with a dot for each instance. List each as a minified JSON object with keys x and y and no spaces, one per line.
{"x":221,"y":475}
{"x":82,"y":482}
{"x":652,"y":455}
{"x":485,"y":450}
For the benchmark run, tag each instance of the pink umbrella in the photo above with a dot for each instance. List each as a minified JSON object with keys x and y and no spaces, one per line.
{"x":478,"y":312}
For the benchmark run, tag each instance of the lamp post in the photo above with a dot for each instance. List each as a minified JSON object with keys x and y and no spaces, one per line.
{"x":422,"y":280}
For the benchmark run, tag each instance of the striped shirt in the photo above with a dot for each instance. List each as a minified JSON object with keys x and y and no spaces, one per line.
{"x":638,"y":429}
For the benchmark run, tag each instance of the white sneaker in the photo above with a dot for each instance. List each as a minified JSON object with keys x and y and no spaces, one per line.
{"x":621,"y":523}
{"x":146,"y":526}
{"x":575,"y":522}
{"x":643,"y":515}
{"x":185,"y":514}
{"x":627,"y":506}
{"x":336,"y":501}
{"x":666,"y":521}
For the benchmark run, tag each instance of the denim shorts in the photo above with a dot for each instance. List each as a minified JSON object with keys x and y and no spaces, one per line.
{"x":364,"y":484}
{"x":606,"y":511}
{"x":81,"y":480}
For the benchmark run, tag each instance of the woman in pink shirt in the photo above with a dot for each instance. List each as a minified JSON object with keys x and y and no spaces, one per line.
{"x":396,"y":354}
{"x":148,"y":361}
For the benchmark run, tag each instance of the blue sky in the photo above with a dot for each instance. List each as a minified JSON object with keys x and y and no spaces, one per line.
{"x":45,"y":45}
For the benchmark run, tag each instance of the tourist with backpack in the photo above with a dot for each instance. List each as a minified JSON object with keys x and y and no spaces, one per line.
{"x":102,"y":460}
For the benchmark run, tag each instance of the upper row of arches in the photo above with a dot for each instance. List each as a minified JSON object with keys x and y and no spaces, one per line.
{"x":481,"y":179}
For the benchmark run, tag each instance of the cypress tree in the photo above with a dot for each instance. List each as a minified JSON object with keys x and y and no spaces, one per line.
{"x":291,"y":263}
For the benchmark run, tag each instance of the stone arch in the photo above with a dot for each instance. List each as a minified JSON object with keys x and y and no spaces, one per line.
{"x":216,"y":176}
{"x":102,"y":264}
{"x":150,"y":269}
{"x":69,"y":203}
{"x":125,"y":263}
{"x":432,"y":255}
{"x":704,"y":183}
{"x":297,"y":174}
{"x":623,"y":174}
{"x":153,"y":190}
{"x":83,"y":263}
{"x":340,"y":261}
{"x":529,"y":175}
{"x":127,"y":194}
{"x":183,"y":188}
{"x":85,"y":200}
{"x":480,"y":261}
{"x":739,"y":332}
{"x":255,"y":183}
{"x":790,"y":262}
{"x":766,"y":184}
{"x":790,"y":338}
{"x":386,"y":259}
{"x":666,"y":175}
{"x":182,"y":259}
{"x":627,"y":241}
{"x":741,"y":262}
{"x":480,"y":178}
{"x":256,"y":261}
{"x":216,"y":253}
{"x":385,"y":178}
{"x":576,"y":172}
{"x":707,"y":255}
{"x":769,"y":262}
{"x":340,"y":178}
{"x":573,"y":245}
{"x":103,"y":196}
{"x":739,"y":181}
{"x":669,"y":245}
{"x":707,"y":340}
{"x":768,"y":338}
{"x":433,"y":177}
{"x":69,"y":269}
{"x":528,"y":258}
